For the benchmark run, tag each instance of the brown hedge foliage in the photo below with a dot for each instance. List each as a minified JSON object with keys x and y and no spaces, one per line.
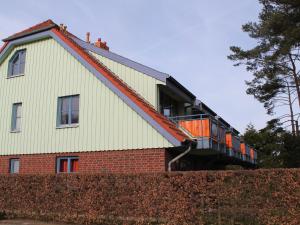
{"x":210,"y":197}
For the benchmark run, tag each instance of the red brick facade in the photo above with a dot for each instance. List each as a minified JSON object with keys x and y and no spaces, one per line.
{"x":124,"y":161}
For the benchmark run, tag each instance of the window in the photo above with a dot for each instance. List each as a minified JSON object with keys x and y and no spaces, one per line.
{"x":214,"y":131}
{"x":16,"y":117}
{"x":167,"y":112}
{"x":67,"y":165}
{"x":68,"y":111}
{"x":14,"y":165}
{"x":168,"y":104}
{"x":16,"y":65}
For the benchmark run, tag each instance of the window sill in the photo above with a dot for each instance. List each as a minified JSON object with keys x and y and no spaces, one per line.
{"x":15,"y":131}
{"x":67,"y":126}
{"x":13,"y":76}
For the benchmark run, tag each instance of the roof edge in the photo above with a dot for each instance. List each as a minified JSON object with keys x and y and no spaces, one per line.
{"x":10,"y":44}
{"x":123,"y":60}
{"x":40,"y":27}
{"x":11,"y":38}
{"x":181,"y":87}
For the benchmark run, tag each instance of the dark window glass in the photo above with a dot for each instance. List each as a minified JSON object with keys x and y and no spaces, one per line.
{"x":68,"y":110}
{"x":214,"y":131}
{"x":168,"y":105}
{"x":16,"y":64}
{"x":75,"y":103}
{"x":75,"y":109}
{"x":64,"y":110}
{"x":16,"y":117}
{"x":65,"y":104}
{"x":64,"y":118}
{"x":74,"y":165}
{"x":75,"y":117}
{"x":63,"y":167}
{"x":14,"y":165}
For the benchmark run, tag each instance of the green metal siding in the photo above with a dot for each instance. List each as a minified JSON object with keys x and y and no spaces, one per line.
{"x":143,"y":84}
{"x":105,"y":121}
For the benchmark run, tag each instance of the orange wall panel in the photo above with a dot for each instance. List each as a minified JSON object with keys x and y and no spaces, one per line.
{"x":252,"y":153}
{"x":229,"y":140}
{"x":198,"y":128}
{"x":243,"y":148}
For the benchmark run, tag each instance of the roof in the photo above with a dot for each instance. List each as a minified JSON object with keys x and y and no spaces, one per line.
{"x":139,"y":101}
{"x":120,"y":59}
{"x":131,"y":64}
{"x":181,"y":87}
{"x":46,"y":25}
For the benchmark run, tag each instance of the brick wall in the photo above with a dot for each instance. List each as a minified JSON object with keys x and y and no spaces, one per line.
{"x":125,"y":161}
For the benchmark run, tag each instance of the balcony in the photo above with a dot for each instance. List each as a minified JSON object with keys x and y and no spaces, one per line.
{"x":209,"y":133}
{"x":233,"y":145}
{"x":214,"y":137}
{"x":248,"y":153}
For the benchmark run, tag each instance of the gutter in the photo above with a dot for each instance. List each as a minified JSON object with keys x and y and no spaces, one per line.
{"x":188,"y":149}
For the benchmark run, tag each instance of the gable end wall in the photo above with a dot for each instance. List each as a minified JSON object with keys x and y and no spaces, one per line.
{"x":143,"y":84}
{"x":106,"y":122}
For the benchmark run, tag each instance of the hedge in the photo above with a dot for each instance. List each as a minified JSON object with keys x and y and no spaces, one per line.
{"x":210,"y":197}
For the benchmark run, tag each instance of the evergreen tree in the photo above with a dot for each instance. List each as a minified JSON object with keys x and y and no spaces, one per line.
{"x":268,"y":142}
{"x":275,"y":146}
{"x":291,"y":151}
{"x":274,"y":61}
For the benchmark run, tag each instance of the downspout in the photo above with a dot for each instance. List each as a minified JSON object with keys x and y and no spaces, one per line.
{"x":189,"y":148}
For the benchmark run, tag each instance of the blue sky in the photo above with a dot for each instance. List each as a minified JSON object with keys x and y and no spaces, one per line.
{"x":187,"y":39}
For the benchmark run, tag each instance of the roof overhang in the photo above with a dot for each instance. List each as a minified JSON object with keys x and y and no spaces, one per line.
{"x":24,"y":34}
{"x":179,"y":88}
{"x":23,"y":40}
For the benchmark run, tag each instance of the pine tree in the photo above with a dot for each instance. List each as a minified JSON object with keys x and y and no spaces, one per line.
{"x":275,"y":60}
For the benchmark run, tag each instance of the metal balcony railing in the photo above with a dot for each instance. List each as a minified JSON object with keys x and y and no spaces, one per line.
{"x":211,"y":134}
{"x":207,"y":130}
